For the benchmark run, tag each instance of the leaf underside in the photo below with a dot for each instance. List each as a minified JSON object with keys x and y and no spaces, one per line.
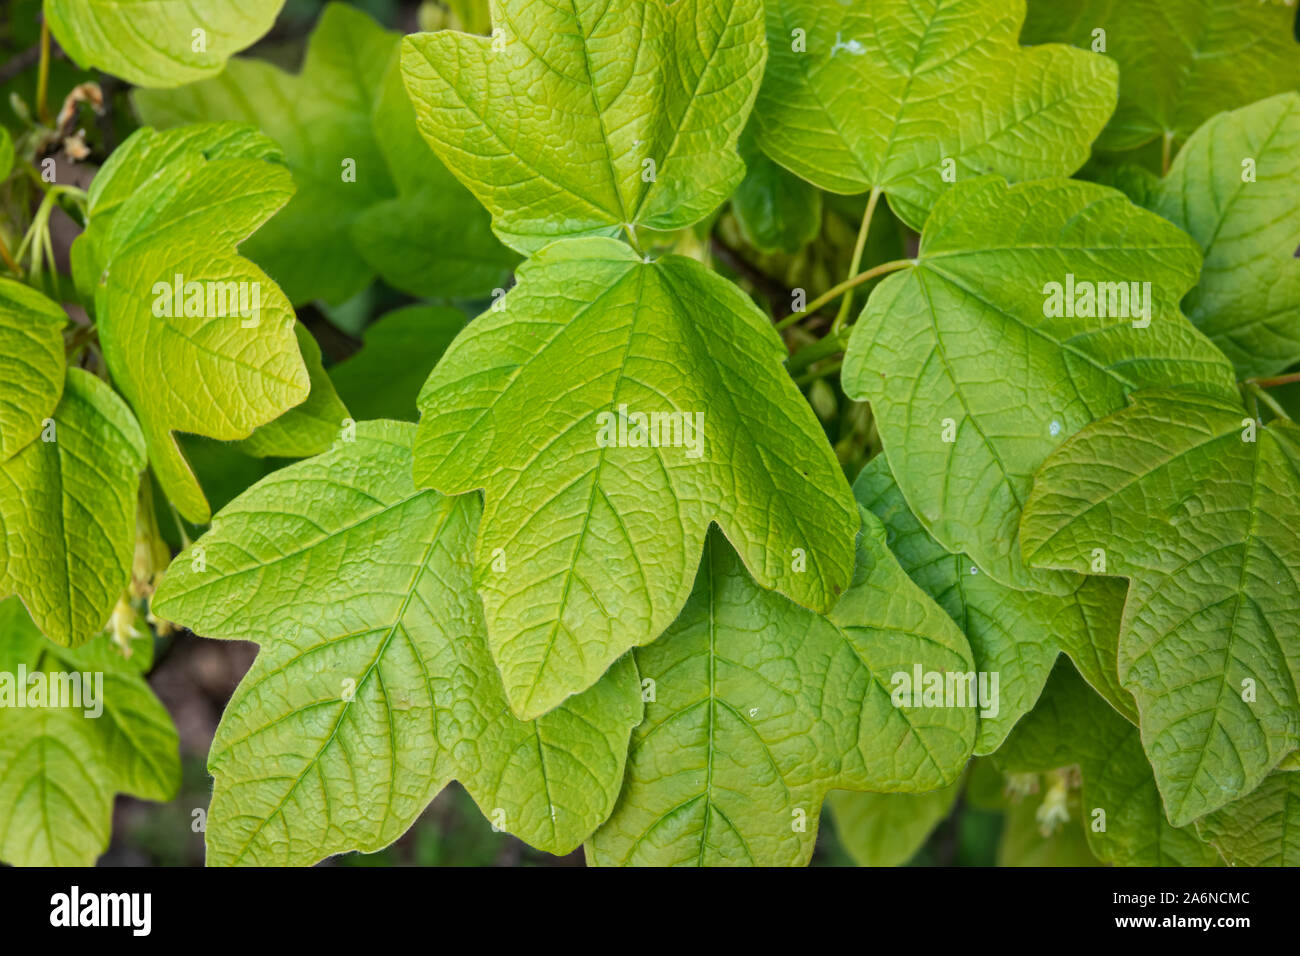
{"x":591,"y":529}
{"x":374,"y":687}
{"x":761,"y":707}
{"x":1196,"y":507}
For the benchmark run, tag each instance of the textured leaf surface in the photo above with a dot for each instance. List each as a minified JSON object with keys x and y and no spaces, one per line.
{"x":1072,"y":725}
{"x":153,"y":42}
{"x":1248,"y":297}
{"x":177,"y":204}
{"x":307,"y":429}
{"x":321,"y":117}
{"x":1015,"y":634}
{"x":371,"y":197}
{"x":553,"y":132}
{"x":1202,"y":523}
{"x":886,"y":92}
{"x":886,"y":829}
{"x":398,"y":352}
{"x":60,"y":768}
{"x":961,"y":339}
{"x":1180,"y":61}
{"x":761,"y":707}
{"x":67,"y":512}
{"x":587,"y":550}
{"x":31,"y":363}
{"x":1260,"y":829}
{"x":374,"y":687}
{"x":433,"y":239}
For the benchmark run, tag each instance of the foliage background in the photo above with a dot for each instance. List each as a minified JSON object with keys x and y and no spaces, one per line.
{"x":195,"y":678}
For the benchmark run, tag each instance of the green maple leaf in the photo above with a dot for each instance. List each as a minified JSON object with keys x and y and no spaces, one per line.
{"x":307,"y":429}
{"x":589,"y":544}
{"x":374,"y":687}
{"x":433,"y":239}
{"x":901,"y":97}
{"x":886,"y":829}
{"x":973,"y":385}
{"x":399,"y":351}
{"x":371,"y":197}
{"x":67,"y":512}
{"x":173,"y":204}
{"x":1197,"y":507}
{"x":761,"y":707}
{"x":321,"y":117}
{"x":1073,"y":726}
{"x":1257,"y":830}
{"x":59,"y":767}
{"x":1015,"y":634}
{"x":154,"y":42}
{"x":1180,"y":61}
{"x":31,"y":363}
{"x":592,"y":118}
{"x":1247,"y":221}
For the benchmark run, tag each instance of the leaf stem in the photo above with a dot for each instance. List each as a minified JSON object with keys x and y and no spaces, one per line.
{"x":1273,"y":382}
{"x":1166,"y":152}
{"x":809,"y":377}
{"x":815,"y":352}
{"x":9,"y":262}
{"x":835,"y":292}
{"x":43,"y":75}
{"x":1258,"y":393}
{"x":631,"y":238}
{"x":180,"y":525}
{"x":858,"y":249}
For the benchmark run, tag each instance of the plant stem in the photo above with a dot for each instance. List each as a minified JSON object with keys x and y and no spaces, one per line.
{"x":790,"y":320}
{"x":830,"y":295}
{"x":1276,"y":380}
{"x":631,"y":238}
{"x":1166,"y":153}
{"x":858,"y":249}
{"x":9,"y":260}
{"x":809,"y":377}
{"x":43,"y":75}
{"x":180,"y":525}
{"x":1258,"y":393}
{"x":815,"y":352}
{"x":37,"y":236}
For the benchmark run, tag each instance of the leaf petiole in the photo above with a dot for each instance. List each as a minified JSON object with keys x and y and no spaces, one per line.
{"x":1256,"y":392}
{"x":631,"y":238}
{"x":815,"y":352}
{"x":856,"y":263}
{"x":43,"y":75}
{"x":830,"y":295}
{"x":8,"y":259}
{"x":809,"y":377}
{"x":1289,"y":378}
